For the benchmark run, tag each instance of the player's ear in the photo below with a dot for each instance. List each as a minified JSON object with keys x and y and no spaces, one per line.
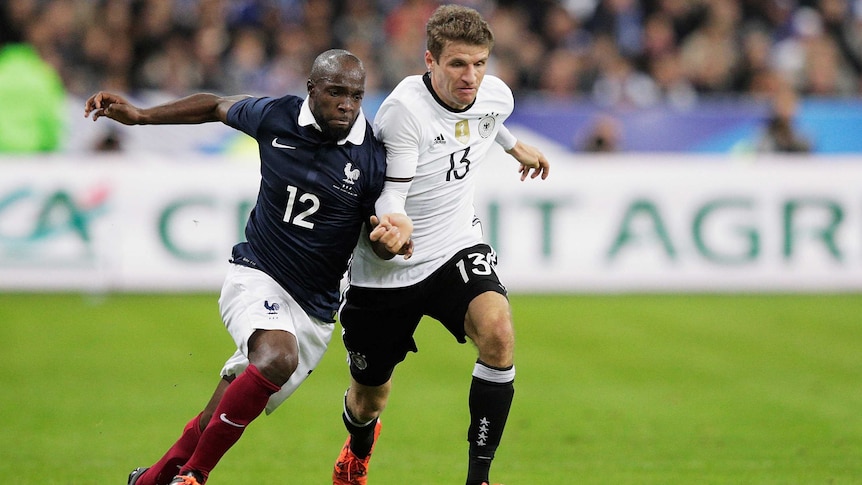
{"x":309,"y":85}
{"x":429,"y":60}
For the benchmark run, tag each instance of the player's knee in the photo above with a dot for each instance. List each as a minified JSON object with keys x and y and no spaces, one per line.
{"x":275,"y":354}
{"x":489,"y":323}
{"x":368,"y":403}
{"x":497,"y":329}
{"x":277,"y":367}
{"x":367,"y":412}
{"x":496,"y":342}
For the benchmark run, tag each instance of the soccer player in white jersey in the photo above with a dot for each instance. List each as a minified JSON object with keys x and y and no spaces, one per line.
{"x":437,"y":129}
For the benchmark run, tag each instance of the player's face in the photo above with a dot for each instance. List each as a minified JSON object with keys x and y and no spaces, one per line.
{"x":335,"y":102}
{"x":457,"y":74}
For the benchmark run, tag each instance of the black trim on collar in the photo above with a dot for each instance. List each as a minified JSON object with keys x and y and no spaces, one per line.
{"x":426,"y":78}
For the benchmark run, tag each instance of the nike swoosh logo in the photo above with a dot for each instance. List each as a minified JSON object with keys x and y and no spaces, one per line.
{"x":276,"y":144}
{"x":224,"y":419}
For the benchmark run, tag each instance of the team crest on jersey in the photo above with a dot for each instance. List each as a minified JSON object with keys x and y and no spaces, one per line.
{"x":271,"y":309}
{"x":351,"y":175}
{"x":462,"y":131}
{"x":486,"y":126}
{"x":357,"y":360}
{"x":348,"y":183}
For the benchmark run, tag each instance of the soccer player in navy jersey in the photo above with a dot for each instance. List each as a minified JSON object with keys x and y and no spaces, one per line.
{"x":321,"y":172}
{"x":437,"y":129}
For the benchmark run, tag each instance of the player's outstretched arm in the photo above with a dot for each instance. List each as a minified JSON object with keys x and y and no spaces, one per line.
{"x":197,"y":108}
{"x":391,"y":235}
{"x":533,"y":162}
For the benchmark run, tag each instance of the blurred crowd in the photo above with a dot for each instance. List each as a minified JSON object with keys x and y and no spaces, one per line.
{"x":613,"y":52}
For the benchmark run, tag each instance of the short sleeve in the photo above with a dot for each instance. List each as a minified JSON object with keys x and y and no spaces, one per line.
{"x":246,"y":115}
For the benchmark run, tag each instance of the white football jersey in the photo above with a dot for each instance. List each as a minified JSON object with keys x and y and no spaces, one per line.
{"x":441,"y":149}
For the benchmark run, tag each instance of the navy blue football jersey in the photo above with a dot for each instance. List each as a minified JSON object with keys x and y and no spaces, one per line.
{"x":315,"y":194}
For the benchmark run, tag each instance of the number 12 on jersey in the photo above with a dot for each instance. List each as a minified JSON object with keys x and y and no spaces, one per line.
{"x":309,"y":202}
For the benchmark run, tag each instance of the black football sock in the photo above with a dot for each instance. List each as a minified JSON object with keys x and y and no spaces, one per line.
{"x":361,"y":434}
{"x":491,"y":396}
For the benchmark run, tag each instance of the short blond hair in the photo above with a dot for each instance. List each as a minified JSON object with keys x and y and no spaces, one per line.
{"x":457,"y":23}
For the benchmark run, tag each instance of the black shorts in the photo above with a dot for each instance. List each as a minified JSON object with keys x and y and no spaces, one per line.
{"x":379,"y":323}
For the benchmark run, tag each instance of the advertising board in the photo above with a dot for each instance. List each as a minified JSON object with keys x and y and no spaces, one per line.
{"x":597,"y":224}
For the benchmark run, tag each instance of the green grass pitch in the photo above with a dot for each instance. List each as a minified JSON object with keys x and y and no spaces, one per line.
{"x":614,"y":389}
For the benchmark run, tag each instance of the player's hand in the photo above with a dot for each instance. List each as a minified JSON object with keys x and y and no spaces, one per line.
{"x":533,"y":162}
{"x":392,"y":232}
{"x":112,"y":106}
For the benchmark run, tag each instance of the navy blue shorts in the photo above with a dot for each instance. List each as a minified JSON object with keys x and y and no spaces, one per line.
{"x":379,"y":323}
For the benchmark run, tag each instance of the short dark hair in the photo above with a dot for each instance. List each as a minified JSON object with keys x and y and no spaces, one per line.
{"x":332,"y":61}
{"x":457,"y":23}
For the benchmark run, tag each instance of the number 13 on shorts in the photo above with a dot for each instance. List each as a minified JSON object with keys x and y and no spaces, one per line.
{"x":480,"y":264}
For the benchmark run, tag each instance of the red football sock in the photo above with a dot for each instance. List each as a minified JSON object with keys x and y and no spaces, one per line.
{"x":244,"y":400}
{"x":166,"y":468}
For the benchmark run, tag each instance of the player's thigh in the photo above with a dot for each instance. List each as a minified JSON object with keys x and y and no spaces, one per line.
{"x":377,"y":330}
{"x":251,"y":300}
{"x":468,"y":280}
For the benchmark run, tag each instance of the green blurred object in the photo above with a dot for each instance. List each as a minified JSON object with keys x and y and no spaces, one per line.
{"x":32,"y":97}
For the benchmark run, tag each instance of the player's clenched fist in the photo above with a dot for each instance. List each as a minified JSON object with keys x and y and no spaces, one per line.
{"x":392,"y":231}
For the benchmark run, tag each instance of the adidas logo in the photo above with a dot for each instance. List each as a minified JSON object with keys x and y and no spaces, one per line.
{"x":439,"y":140}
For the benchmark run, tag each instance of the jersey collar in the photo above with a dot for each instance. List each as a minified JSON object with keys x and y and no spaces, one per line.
{"x":356,"y":135}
